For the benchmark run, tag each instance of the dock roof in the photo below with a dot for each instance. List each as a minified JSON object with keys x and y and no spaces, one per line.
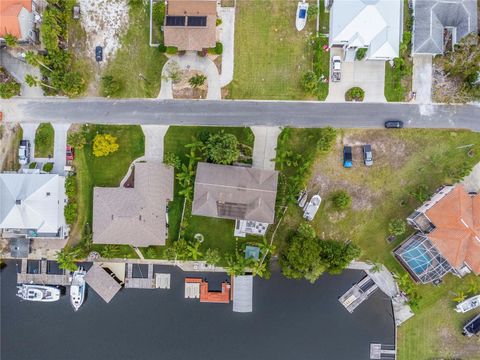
{"x":102,"y":282}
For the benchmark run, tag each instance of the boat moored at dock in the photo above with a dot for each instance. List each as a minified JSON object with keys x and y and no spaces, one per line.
{"x":77,"y":289}
{"x":40,"y":293}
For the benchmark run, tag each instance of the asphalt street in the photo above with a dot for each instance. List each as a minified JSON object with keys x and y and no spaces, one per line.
{"x":238,"y":113}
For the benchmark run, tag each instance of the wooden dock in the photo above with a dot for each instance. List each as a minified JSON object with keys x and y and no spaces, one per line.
{"x":382,"y":352}
{"x":152,"y":281}
{"x":42,"y":278}
{"x":358,"y":293}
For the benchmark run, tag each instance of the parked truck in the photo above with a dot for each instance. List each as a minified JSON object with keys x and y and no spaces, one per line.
{"x":336,"y":68}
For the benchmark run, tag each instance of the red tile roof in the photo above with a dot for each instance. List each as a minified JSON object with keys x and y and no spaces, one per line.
{"x":457,"y":228}
{"x":9,"y":11}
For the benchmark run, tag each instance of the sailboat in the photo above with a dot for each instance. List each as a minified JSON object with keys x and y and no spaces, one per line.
{"x":301,"y":17}
{"x":77,"y":289}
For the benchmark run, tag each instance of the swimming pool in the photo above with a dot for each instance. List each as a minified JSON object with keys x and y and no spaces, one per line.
{"x":417,"y":258}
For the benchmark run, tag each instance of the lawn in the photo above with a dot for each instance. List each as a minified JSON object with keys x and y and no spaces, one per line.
{"x":406,"y":164}
{"x":103,"y":171}
{"x":218,"y":233}
{"x":137,"y":66}
{"x":270,"y":54}
{"x":398,"y":79}
{"x":44,"y":140}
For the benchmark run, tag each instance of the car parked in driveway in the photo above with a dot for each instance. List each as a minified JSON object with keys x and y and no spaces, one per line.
{"x":70,"y":151}
{"x":394,"y":124}
{"x":347,"y":157}
{"x":99,"y":53}
{"x":367,"y":155}
{"x":24,"y":152}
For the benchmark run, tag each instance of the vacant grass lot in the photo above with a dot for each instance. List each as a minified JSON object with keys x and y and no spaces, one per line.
{"x":105,"y":171}
{"x":44,"y":140}
{"x":404,"y":162}
{"x":270,"y":54}
{"x":137,"y":66}
{"x":218,"y":233}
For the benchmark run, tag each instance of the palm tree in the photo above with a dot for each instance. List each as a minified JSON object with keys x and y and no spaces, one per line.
{"x":237,"y":264}
{"x":473,"y":288}
{"x":460,"y":296}
{"x":10,"y":40}
{"x":110,"y":251}
{"x":193,"y":250}
{"x":66,"y":258}
{"x":34,"y":81}
{"x":259,"y":268}
{"x":186,"y":193}
{"x":33,"y":59}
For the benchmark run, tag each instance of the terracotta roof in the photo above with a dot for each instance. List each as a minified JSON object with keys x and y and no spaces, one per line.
{"x":9,"y":11}
{"x":457,"y":228}
{"x":134,"y":216}
{"x":191,"y":37}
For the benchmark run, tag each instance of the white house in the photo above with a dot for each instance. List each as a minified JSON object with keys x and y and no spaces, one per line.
{"x":375,"y":25}
{"x":17,"y":19}
{"x":31,"y":205}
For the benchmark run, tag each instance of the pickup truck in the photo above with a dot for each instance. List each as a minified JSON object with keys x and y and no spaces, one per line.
{"x":336,"y":68}
{"x":347,"y":157}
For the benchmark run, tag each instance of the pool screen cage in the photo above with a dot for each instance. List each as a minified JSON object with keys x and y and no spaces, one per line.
{"x":422,"y":259}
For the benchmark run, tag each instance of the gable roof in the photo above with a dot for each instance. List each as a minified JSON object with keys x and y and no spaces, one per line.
{"x":191,"y":37}
{"x":367,"y":23}
{"x":235,"y":192}
{"x":32,"y":201}
{"x":457,"y":228}
{"x":432,"y":16}
{"x":9,"y":12}
{"x":134,"y":216}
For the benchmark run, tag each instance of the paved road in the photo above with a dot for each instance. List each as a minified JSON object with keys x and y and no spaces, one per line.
{"x":238,"y":113}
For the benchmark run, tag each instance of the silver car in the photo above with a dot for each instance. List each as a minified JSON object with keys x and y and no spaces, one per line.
{"x":367,"y":155}
{"x":24,"y":152}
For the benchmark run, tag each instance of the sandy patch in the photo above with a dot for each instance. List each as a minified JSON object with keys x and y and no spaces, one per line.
{"x":104,"y":22}
{"x":183,"y":89}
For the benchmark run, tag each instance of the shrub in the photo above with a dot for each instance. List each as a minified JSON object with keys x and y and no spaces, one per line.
{"x":361,"y":53}
{"x":218,"y":22}
{"x":213,"y":257}
{"x":355,"y":93}
{"x":312,"y":11}
{"x":158,"y":14}
{"x":110,"y":86}
{"x":77,"y":139}
{"x":341,"y":200}
{"x":104,"y":144}
{"x":47,"y":167}
{"x":70,"y":212}
{"x":218,"y":49}
{"x":222,"y":148}
{"x":197,"y":80}
{"x":397,"y":227}
{"x":309,"y":82}
{"x":151,"y":253}
{"x":9,"y":89}
{"x":32,"y":165}
{"x":44,"y":135}
{"x":172,"y":160}
{"x":171,"y":50}
{"x":70,"y":186}
{"x":162,"y":48}
{"x":326,"y":138}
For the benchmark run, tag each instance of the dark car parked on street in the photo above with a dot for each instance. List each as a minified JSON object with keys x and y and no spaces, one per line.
{"x":394,"y":124}
{"x":99,"y":53}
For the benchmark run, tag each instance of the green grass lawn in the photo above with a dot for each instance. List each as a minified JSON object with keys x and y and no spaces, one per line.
{"x":44,"y":140}
{"x":137,"y":66}
{"x":218,"y":233}
{"x":403,"y":161}
{"x":270,"y":54}
{"x":105,"y":171}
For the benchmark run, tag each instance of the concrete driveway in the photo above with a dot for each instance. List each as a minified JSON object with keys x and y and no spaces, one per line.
{"x":472,"y":181}
{"x":369,"y":75}
{"x":265,"y":146}
{"x":59,"y":154}
{"x":422,"y":78}
{"x":154,"y":135}
{"x":227,"y":30}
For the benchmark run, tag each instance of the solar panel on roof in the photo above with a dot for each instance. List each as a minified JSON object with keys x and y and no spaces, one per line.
{"x":197,"y":21}
{"x":175,"y":21}
{"x":232,"y":210}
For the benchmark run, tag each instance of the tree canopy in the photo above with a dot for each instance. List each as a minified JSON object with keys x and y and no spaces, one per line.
{"x":222,"y":148}
{"x":104,"y":144}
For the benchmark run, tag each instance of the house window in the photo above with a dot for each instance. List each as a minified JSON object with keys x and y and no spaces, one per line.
{"x":175,"y":21}
{"x":200,"y":21}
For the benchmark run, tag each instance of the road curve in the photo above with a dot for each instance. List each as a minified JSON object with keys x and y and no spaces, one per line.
{"x":238,"y":113}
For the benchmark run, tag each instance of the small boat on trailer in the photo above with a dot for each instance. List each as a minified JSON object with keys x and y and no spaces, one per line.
{"x":301,"y":17}
{"x":77,"y":289}
{"x":311,"y":208}
{"x":40,"y":293}
{"x":469,"y":304}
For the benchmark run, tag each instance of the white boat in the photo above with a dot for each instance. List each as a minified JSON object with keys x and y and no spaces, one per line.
{"x":42,"y":293}
{"x":469,"y":304}
{"x":312,"y":207}
{"x":301,"y":18}
{"x":77,"y":288}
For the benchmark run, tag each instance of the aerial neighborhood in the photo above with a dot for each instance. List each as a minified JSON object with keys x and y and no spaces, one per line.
{"x":241,"y":179}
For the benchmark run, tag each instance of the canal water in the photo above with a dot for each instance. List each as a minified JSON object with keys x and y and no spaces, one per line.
{"x":291,"y":319}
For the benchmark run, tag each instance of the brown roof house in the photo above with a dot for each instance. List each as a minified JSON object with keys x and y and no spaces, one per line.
{"x":235,"y":192}
{"x":448,"y":237}
{"x":190,"y":24}
{"x":134,"y":216}
{"x":16,"y":18}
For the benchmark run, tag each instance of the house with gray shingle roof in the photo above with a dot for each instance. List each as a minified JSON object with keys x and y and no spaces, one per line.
{"x":134,"y":216}
{"x":235,"y":192}
{"x":440,"y":24}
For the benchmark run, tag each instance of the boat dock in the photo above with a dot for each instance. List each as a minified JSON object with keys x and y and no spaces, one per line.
{"x":151,"y":281}
{"x":382,"y":352}
{"x":358,"y":293}
{"x":41,"y":277}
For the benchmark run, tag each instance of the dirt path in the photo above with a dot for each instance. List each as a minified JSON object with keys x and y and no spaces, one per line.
{"x":8,"y":153}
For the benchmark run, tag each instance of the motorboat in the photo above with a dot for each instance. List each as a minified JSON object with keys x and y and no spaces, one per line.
{"x":469,"y":304}
{"x":77,"y":288}
{"x":311,"y":208}
{"x":41,"y":293}
{"x":301,"y":18}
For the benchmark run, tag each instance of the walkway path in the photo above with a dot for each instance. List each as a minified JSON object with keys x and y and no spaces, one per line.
{"x":191,"y":61}
{"x":265,"y":146}
{"x":227,"y":38}
{"x":18,"y":69}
